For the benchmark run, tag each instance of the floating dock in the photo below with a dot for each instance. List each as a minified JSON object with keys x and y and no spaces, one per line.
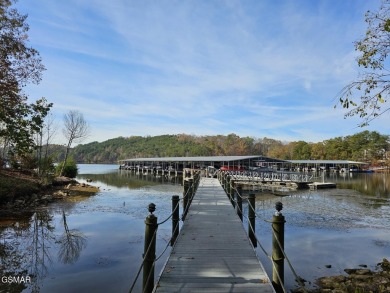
{"x":213,"y":252}
{"x":322,"y":185}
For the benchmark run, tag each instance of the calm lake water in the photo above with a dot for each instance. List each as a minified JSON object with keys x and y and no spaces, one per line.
{"x":95,"y":244}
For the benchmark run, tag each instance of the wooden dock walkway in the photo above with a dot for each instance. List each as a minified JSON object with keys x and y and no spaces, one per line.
{"x":213,"y":252}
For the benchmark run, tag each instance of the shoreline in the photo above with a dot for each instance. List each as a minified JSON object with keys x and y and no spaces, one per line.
{"x":32,"y":193}
{"x":358,"y":280}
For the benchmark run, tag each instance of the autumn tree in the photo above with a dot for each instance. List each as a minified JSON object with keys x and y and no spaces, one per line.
{"x":76,"y":129}
{"x":19,"y":66}
{"x":368,"y":95}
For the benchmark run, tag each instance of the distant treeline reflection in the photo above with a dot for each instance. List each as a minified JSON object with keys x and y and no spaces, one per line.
{"x":129,"y":179}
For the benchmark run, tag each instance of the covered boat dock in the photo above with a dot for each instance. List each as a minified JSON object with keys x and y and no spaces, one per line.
{"x":327,"y":165}
{"x":178,"y":164}
{"x":239,"y":163}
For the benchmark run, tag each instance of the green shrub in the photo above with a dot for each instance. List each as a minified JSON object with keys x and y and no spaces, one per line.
{"x":70,"y":169}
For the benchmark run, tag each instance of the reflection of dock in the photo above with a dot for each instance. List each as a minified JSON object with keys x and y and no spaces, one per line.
{"x":213,"y":252}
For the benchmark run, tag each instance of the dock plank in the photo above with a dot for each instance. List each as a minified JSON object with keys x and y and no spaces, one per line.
{"x":213,"y":253}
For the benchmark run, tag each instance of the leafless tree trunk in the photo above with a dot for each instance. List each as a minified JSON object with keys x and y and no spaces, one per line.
{"x":44,"y":137}
{"x":75,"y":130}
{"x":50,"y":129}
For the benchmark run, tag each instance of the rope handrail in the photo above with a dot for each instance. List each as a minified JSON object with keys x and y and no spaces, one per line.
{"x":281,"y":249}
{"x":166,"y":247}
{"x":298,"y":279}
{"x":266,"y":254}
{"x":143,"y":262}
{"x":160,"y":255}
{"x":180,"y":199}
{"x":192,"y":186}
{"x":271,"y":175}
{"x":171,"y":215}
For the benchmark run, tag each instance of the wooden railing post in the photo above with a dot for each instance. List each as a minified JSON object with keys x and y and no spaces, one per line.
{"x":224,"y":180}
{"x":175,"y":218}
{"x":186,"y":196}
{"x":277,"y":248}
{"x":149,"y":250}
{"x":239,"y":201}
{"x":191,"y":191}
{"x":252,"y":219}
{"x":231,"y":193}
{"x":228,"y":187}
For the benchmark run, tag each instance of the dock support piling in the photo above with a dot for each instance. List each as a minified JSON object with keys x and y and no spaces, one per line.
{"x":175,"y":218}
{"x":277,"y":248}
{"x":252,"y":219}
{"x":149,"y":250}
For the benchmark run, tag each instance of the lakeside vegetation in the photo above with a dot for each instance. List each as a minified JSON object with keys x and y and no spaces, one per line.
{"x":366,"y":146}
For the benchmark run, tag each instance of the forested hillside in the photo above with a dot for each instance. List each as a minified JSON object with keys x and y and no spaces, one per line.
{"x":364,"y":146}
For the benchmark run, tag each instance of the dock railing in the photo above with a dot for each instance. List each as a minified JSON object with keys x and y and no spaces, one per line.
{"x":270,"y":176}
{"x":149,"y":258}
{"x":277,"y":223}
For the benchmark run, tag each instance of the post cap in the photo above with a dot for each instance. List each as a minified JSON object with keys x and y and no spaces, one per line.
{"x":151,"y":208}
{"x":279,"y":206}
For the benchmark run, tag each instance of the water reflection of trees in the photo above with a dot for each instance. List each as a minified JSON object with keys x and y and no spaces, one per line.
{"x":376,"y":185}
{"x":27,"y":246}
{"x":125,"y":178}
{"x":12,"y":262}
{"x":25,"y":252}
{"x":41,"y":239}
{"x":72,"y":242}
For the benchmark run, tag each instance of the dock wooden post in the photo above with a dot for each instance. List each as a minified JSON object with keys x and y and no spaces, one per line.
{"x":186,"y":196}
{"x":149,"y":250}
{"x":239,"y":201}
{"x":191,"y":191}
{"x":227,"y":189}
{"x":175,"y":218}
{"x":252,"y":219}
{"x":225,"y":181}
{"x":277,"y":250}
{"x":231,"y":193}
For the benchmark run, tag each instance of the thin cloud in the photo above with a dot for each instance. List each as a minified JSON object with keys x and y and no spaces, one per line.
{"x":205,"y":66}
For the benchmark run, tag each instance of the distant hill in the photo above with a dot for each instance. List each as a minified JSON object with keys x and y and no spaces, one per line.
{"x":364,"y":146}
{"x":136,"y":146}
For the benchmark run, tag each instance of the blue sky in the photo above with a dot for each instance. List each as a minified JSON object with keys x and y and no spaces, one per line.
{"x":260,"y":68}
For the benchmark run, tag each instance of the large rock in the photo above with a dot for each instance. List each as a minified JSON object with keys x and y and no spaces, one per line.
{"x":332,"y":282}
{"x":62,"y":180}
{"x":385,"y":264}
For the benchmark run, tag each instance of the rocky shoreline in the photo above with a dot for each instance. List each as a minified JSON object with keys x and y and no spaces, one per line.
{"x":360,"y":280}
{"x":61,"y":188}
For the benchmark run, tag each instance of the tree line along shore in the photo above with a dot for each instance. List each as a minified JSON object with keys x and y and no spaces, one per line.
{"x":366,"y":146}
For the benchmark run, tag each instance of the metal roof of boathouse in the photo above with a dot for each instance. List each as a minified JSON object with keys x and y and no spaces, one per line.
{"x":327,"y":162}
{"x":240,"y":159}
{"x":205,"y":159}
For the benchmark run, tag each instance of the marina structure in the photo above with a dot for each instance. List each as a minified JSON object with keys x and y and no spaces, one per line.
{"x":203,"y":162}
{"x":176,"y":165}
